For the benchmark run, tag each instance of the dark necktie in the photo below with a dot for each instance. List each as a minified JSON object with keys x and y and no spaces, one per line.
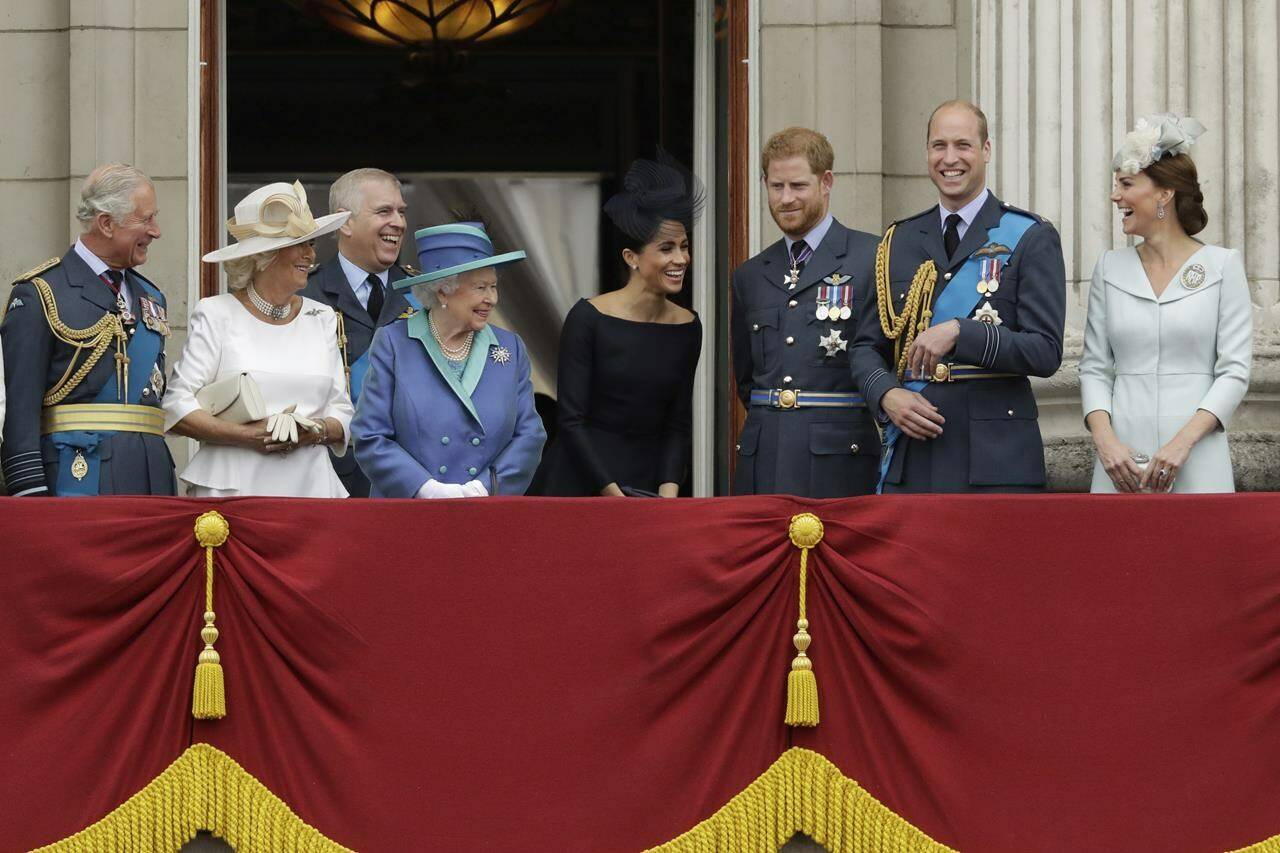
{"x":799,"y":254}
{"x":951,"y":237}
{"x":112,"y":279}
{"x":375,"y":297}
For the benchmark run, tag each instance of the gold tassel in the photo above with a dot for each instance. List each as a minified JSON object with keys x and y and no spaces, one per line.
{"x":802,"y":685}
{"x":208,"y":699}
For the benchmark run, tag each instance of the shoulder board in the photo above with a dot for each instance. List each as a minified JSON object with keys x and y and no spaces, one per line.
{"x":407,"y":313}
{"x":35,"y":271}
{"x":410,"y":270}
{"x":1005,"y":206}
{"x":915,"y":215}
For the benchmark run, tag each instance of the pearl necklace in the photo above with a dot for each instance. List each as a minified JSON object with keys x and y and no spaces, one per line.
{"x":275,"y":312}
{"x":451,"y":353}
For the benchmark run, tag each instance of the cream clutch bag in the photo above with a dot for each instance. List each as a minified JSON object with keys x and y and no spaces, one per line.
{"x":236,"y":399}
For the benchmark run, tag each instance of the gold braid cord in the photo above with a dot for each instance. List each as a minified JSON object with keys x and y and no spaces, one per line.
{"x":805,"y":532}
{"x":342,"y":347}
{"x":95,"y":338}
{"x":803,"y":792}
{"x":204,"y":789}
{"x":917,"y":309}
{"x":208,"y":695}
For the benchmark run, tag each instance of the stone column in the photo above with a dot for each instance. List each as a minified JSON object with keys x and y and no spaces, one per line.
{"x":1062,"y":82}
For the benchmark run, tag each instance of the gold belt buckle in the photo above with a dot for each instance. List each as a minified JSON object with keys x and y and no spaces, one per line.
{"x":786,"y":399}
{"x":941,"y":372}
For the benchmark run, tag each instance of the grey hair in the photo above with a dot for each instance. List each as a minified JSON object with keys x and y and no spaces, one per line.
{"x":347,"y":193}
{"x":109,"y":189}
{"x":426,"y":291}
{"x":241,"y":271}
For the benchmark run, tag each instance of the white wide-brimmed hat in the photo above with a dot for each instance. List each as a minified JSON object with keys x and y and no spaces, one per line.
{"x":273,"y":217}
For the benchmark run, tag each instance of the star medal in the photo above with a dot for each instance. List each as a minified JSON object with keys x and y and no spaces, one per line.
{"x":982,"y":277}
{"x":987,"y":314}
{"x":833,"y":343}
{"x":1193,"y":277}
{"x":793,"y":278}
{"x":993,"y":280}
{"x":157,"y":381}
{"x":500,"y":355}
{"x":122,"y":308}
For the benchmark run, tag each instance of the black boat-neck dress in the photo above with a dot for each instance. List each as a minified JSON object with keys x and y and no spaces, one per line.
{"x":624,"y":404}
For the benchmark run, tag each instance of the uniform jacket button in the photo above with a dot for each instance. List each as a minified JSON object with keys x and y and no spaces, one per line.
{"x":786,"y":380}
{"x":444,"y":439}
{"x":946,"y":276}
{"x":443,"y":469}
{"x":792,"y":304}
{"x":475,"y":442}
{"x":472,"y":470}
{"x":853,"y":448}
{"x":790,"y":340}
{"x":755,"y":327}
{"x":737,"y":447}
{"x":1011,"y":413}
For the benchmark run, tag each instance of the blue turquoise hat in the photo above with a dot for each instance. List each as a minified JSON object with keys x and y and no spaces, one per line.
{"x":445,"y":250}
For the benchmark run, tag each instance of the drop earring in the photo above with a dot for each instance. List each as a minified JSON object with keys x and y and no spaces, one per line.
{"x":1159,"y":210}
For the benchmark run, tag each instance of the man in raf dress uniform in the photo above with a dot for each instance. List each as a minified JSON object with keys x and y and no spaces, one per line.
{"x":969,"y":300}
{"x":83,"y":338}
{"x":807,"y":430}
{"x":356,"y":282}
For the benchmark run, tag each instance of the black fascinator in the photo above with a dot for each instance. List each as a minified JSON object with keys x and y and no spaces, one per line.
{"x":652,"y":193}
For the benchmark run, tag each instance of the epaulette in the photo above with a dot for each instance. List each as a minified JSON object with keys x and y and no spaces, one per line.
{"x":1004,"y":205}
{"x":32,"y":273}
{"x":407,"y":313}
{"x":410,"y":270}
{"x":914,"y":216}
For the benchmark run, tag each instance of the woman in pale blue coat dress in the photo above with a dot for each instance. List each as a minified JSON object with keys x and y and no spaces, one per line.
{"x":1168,"y":342}
{"x":447,"y":407}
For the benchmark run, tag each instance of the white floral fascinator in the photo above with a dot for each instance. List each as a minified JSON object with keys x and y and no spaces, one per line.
{"x":1152,"y":138}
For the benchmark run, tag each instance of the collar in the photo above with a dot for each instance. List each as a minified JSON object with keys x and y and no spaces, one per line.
{"x":356,"y":277}
{"x":814,"y":238}
{"x":465,"y":387}
{"x":968,"y":213}
{"x":96,"y":264}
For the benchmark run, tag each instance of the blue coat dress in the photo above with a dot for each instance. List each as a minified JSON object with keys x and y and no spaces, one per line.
{"x":416,"y":422}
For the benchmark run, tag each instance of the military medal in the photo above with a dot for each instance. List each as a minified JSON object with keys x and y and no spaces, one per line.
{"x":833,"y":343}
{"x":1193,"y":276}
{"x":987,"y":314}
{"x":153,"y":316}
{"x":846,"y":298}
{"x":79,"y":466}
{"x":993,"y":282}
{"x":793,"y":278}
{"x":500,"y":355}
{"x":822,"y":311}
{"x":824,"y":303}
{"x":982,"y":277}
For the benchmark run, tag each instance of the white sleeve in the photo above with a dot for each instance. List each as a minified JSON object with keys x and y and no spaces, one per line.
{"x":197,"y":367}
{"x":1235,"y":343}
{"x":1097,"y":363}
{"x":338,"y":405}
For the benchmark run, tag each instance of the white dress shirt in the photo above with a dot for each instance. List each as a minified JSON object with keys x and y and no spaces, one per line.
{"x":99,"y":266}
{"x":358,"y":279}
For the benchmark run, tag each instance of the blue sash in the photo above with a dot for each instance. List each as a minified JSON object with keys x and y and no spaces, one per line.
{"x":957,"y":301}
{"x":143,"y":350}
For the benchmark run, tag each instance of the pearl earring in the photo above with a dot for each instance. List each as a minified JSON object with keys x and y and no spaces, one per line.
{"x":1159,"y":210}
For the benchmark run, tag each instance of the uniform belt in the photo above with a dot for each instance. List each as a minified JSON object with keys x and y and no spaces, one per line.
{"x":958,"y":372}
{"x":101,"y":417}
{"x":786,"y":398}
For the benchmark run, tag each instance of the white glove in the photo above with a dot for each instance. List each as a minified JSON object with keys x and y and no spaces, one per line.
{"x":436,"y":489}
{"x":475,"y":489}
{"x":308,"y":424}
{"x":283,"y":427}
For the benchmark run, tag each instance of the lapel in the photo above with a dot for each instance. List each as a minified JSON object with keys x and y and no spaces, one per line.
{"x":333,"y":281}
{"x":90,"y":287}
{"x":775,"y":264}
{"x":931,"y":239}
{"x":395,"y":302}
{"x":463,"y":390}
{"x":826,"y":258}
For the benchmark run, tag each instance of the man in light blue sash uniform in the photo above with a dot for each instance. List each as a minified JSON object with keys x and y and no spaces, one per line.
{"x":83,"y":338}
{"x":807,"y":431}
{"x":356,"y":283}
{"x":987,"y":282}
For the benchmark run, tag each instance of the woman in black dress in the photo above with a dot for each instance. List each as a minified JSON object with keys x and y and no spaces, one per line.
{"x":627,"y":357}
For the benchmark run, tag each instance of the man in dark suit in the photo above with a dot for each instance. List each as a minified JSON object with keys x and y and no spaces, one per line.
{"x":83,"y":338}
{"x":356,"y":282}
{"x":987,"y":282}
{"x":807,"y":430}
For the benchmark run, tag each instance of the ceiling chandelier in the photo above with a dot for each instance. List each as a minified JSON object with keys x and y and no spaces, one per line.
{"x":429,"y":24}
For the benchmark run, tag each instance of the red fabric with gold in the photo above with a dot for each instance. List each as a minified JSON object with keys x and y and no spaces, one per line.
{"x":1057,"y":673}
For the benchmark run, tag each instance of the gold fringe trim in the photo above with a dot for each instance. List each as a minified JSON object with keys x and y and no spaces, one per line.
{"x":204,"y":789}
{"x":1271,"y":845}
{"x":803,"y":792}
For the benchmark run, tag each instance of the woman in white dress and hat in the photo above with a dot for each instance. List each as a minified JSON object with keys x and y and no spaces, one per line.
{"x":1169,"y":337}
{"x":287,"y":346}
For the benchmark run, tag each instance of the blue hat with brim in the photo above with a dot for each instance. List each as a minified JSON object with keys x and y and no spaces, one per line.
{"x":445,"y":250}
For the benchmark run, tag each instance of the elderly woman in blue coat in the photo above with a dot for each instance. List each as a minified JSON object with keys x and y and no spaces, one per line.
{"x":447,"y":408}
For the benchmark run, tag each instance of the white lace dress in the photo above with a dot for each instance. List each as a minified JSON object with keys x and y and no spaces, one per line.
{"x":295,"y":364}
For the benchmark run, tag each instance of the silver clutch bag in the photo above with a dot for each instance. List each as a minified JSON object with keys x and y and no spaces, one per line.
{"x":236,"y":399}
